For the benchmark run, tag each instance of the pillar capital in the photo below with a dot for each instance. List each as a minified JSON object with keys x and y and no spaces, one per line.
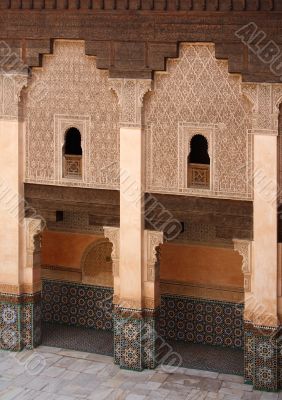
{"x":113,"y":234}
{"x":244,"y":248}
{"x":265,"y":98}
{"x":11,"y":85}
{"x":152,"y":240}
{"x":33,"y":229}
{"x":130,"y":93}
{"x":31,"y":271}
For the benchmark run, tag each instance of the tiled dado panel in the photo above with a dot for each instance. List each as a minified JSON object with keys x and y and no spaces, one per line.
{"x":77,"y":304}
{"x":20,"y":321}
{"x":262,"y":358}
{"x":135,"y":339}
{"x":201,"y":321}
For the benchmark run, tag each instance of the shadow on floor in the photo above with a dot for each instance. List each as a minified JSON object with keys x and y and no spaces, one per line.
{"x":210,"y":358}
{"x":77,"y":338}
{"x":195,"y":356}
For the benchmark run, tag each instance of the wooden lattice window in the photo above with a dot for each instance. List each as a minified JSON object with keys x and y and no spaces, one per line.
{"x":72,"y":154}
{"x":198,"y":163}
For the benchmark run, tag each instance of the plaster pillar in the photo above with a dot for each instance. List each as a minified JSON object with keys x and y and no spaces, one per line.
{"x":261,"y":303}
{"x":11,"y":189}
{"x":134,"y":312}
{"x":17,"y":291}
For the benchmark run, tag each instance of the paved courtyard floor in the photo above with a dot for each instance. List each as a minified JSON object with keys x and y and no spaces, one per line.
{"x":54,"y":374}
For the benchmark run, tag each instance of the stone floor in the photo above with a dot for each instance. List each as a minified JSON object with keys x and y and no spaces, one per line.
{"x":51,"y":373}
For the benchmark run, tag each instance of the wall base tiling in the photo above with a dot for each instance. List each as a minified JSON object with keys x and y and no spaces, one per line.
{"x":20,"y":321}
{"x":262,"y":359}
{"x":135,"y":338}
{"x":77,"y":304}
{"x":201,"y":321}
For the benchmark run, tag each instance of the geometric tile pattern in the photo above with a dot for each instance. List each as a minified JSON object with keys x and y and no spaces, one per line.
{"x":77,"y":304}
{"x":261,"y":361}
{"x":201,"y":321}
{"x":279,"y":357}
{"x":20,"y":321}
{"x":131,"y":344}
{"x":10,"y":326}
{"x":197,"y":356}
{"x":135,"y":338}
{"x":31,"y":325}
{"x":150,"y":342}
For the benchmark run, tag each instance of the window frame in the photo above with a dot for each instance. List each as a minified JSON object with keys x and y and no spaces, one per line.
{"x":62,"y":123}
{"x":186,"y":131}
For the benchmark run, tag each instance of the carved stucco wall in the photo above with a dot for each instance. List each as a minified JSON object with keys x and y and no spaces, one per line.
{"x":198,"y":95}
{"x":73,"y":92}
{"x":195,"y":95}
{"x":10,"y":89}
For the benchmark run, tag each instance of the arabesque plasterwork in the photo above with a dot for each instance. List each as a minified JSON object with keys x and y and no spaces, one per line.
{"x":130,"y":94}
{"x":265,"y":99}
{"x":11,"y":85}
{"x":76,"y":93}
{"x":198,"y":90}
{"x":196,"y":95}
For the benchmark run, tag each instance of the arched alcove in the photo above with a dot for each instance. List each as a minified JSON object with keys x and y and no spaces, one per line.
{"x":97,"y":265}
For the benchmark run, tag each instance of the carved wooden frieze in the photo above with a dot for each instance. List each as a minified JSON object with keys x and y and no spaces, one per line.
{"x":156,"y":5}
{"x":133,"y":38}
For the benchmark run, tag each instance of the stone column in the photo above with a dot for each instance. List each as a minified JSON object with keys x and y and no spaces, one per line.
{"x":261,"y":313}
{"x":134,"y":329}
{"x":17,"y":293}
